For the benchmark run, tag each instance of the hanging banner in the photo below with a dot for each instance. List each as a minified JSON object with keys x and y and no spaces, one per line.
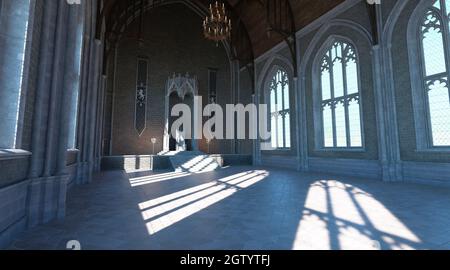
{"x":141,"y":96}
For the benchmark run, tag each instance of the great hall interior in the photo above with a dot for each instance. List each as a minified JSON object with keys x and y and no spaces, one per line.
{"x":357,"y":106}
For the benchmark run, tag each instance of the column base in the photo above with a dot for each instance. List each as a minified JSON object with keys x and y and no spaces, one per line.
{"x":46,"y":199}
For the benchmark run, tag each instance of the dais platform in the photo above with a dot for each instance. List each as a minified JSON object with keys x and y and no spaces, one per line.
{"x":186,"y":161}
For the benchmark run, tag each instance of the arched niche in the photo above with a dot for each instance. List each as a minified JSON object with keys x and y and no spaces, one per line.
{"x":180,"y":89}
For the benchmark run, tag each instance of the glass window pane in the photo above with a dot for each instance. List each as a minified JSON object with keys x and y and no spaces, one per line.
{"x":273,"y":105}
{"x":438,"y":97}
{"x":341,"y":134}
{"x":337,"y":87}
{"x":327,"y":127}
{"x":333,"y":53}
{"x":274,"y":131}
{"x":280,"y":137}
{"x":287,"y":130}
{"x":13,"y":39}
{"x":279,"y":97}
{"x":355,"y":124}
{"x":338,"y":78}
{"x":437,"y":3}
{"x":73,"y":108}
{"x":326,"y":87}
{"x":433,"y":46}
{"x":352,"y":77}
{"x":286,"y":97}
{"x":339,"y":47}
{"x":447,"y":9}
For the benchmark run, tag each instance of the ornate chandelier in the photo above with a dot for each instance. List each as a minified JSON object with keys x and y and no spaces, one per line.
{"x":217,"y":25}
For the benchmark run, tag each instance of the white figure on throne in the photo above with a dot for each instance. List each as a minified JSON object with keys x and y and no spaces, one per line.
{"x":181,"y":142}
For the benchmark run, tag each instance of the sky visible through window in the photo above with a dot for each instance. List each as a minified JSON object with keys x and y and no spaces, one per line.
{"x":340,"y":97}
{"x":435,"y":55}
{"x":279,"y":109}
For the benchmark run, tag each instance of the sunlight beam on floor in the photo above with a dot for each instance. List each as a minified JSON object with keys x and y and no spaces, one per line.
{"x":154,"y":175}
{"x":242,"y":181}
{"x":155,"y":179}
{"x":226,"y":187}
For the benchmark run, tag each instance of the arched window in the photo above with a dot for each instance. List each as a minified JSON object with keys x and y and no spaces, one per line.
{"x":76,"y":31}
{"x":280,"y":115}
{"x":435,"y":51}
{"x":340,"y":97}
{"x":13,"y":35}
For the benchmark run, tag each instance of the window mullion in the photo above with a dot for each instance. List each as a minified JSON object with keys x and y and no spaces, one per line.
{"x":277,"y":115}
{"x":446,"y":35}
{"x":333,"y":106}
{"x":347,"y":117}
{"x":283,"y":116}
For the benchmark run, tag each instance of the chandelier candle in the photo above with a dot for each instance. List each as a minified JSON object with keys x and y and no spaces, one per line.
{"x":217,"y":25}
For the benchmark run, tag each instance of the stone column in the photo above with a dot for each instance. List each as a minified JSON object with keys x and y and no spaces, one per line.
{"x":100,"y":123}
{"x":92,"y":103}
{"x":388,"y":141}
{"x":234,"y":69}
{"x":166,"y":139}
{"x":91,"y":76}
{"x":70,"y":76}
{"x":257,"y":143}
{"x":48,"y":183}
{"x":301,"y":129}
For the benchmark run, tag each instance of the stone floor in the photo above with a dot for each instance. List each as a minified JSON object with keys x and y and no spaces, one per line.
{"x":247,"y":208}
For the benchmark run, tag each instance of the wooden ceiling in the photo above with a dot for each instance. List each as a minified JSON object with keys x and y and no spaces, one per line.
{"x":254,"y":13}
{"x":254,"y":16}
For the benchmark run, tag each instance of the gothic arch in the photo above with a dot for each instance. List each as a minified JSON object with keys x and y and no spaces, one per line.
{"x":316,"y":89}
{"x":319,"y":35}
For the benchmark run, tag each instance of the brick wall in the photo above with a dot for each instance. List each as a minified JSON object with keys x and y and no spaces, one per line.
{"x":174,"y":43}
{"x":366,"y":81}
{"x":402,"y":81}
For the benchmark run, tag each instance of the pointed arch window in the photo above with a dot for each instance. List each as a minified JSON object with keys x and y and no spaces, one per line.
{"x":280,"y":114}
{"x":435,"y":54}
{"x":340,"y":98}
{"x":14,"y":19}
{"x":76,"y":32}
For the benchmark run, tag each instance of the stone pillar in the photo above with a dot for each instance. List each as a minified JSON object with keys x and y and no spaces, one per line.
{"x":48,"y":183}
{"x":100,"y":123}
{"x":90,"y":81}
{"x":69,"y":87}
{"x":166,"y":139}
{"x":388,"y":141}
{"x":108,"y":112}
{"x":302,"y":121}
{"x":197,"y":129}
{"x":257,"y":143}
{"x":238,"y":100}
{"x":234,"y":69}
{"x":92,"y":103}
{"x":81,"y":177}
{"x":301,"y":129}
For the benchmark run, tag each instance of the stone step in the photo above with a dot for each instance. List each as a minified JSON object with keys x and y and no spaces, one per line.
{"x":180,"y":153}
{"x":194,"y":163}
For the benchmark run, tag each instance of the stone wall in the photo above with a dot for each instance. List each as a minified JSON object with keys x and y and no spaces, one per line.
{"x":36,"y":173}
{"x":390,"y":151}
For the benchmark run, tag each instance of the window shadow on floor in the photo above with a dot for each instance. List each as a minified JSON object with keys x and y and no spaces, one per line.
{"x":247,"y":208}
